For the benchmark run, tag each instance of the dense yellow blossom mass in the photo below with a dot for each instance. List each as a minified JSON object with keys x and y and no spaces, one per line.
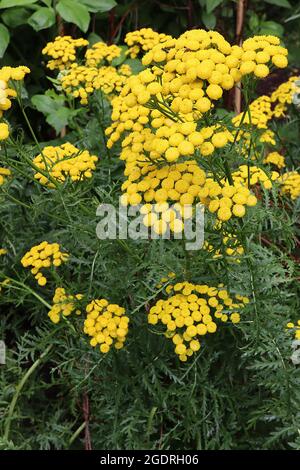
{"x":107,"y":324}
{"x":63,"y":51}
{"x":143,"y":40}
{"x":63,"y":305}
{"x":41,"y":257}
{"x":80,"y":81}
{"x":192,"y":311}
{"x":62,"y":162}
{"x":276,"y":159}
{"x":290,"y":184}
{"x":162,"y":112}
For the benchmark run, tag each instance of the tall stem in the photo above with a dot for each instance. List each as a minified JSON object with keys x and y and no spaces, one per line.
{"x":19,"y":388}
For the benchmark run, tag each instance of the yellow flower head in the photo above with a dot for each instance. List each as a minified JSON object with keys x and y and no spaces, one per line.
{"x":107,"y":325}
{"x":63,"y":51}
{"x":62,"y":162}
{"x":63,"y":305}
{"x":41,"y":257}
{"x":192,"y":311}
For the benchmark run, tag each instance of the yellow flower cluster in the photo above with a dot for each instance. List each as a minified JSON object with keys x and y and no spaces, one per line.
{"x":245,"y":176}
{"x":169,"y":140}
{"x":43,"y":256}
{"x":180,"y":182}
{"x":265,"y":108}
{"x":6,"y":92}
{"x":3,"y":251}
{"x":260,"y":113}
{"x":259,"y":51}
{"x":192,"y":311}
{"x":4,"y":172}
{"x":290,"y":184}
{"x":62,"y":162}
{"x":63,"y":51}
{"x":268,"y":137}
{"x":209,"y":49}
{"x":159,"y":111}
{"x":13,"y":73}
{"x":183,"y":184}
{"x":166,"y":193}
{"x":143,"y":40}
{"x":283,"y":96}
{"x":296,"y":327}
{"x":80,"y":80}
{"x":63,"y":305}
{"x":107,"y":324}
{"x":275,"y":159}
{"x":100,"y":52}
{"x":227,"y":200}
{"x":193,"y":71}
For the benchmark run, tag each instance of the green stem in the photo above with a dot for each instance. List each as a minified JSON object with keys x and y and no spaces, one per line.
{"x":28,"y":289}
{"x":12,"y":198}
{"x":77,"y":432}
{"x":19,"y":388}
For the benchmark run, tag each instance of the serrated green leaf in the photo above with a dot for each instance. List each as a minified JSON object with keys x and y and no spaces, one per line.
{"x":4,"y":39}
{"x":74,"y":12}
{"x":43,"y":18}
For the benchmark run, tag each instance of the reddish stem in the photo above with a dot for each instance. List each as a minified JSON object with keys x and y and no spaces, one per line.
{"x":86,"y":415}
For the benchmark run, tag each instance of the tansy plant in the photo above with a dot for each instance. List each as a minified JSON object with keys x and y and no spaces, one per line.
{"x":143,"y":331}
